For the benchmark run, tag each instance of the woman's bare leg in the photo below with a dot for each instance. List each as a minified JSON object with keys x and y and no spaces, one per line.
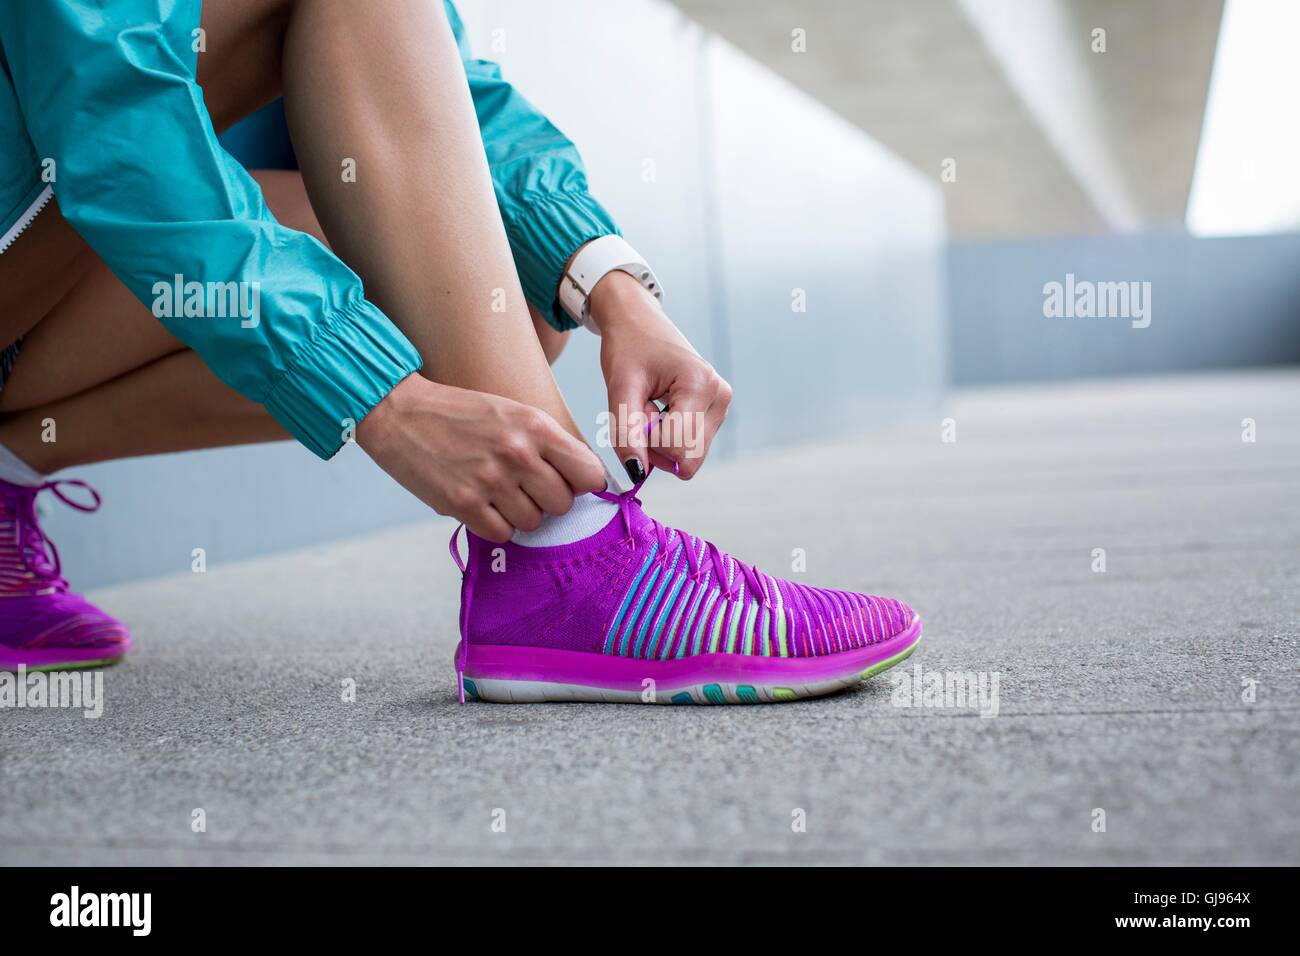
{"x":95,"y":333}
{"x":172,"y":404}
{"x":286,"y":195}
{"x":552,"y":342}
{"x":44,"y":263}
{"x":383,"y":85}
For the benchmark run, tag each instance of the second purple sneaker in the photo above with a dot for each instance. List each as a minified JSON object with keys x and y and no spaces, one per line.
{"x":643,"y":613}
{"x":43,"y":626}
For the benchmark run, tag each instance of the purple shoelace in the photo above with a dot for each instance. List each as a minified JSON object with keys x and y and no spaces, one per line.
{"x":34,"y":555}
{"x":462,"y":647}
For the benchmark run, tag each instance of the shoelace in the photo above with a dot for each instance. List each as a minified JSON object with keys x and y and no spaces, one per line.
{"x":717,"y":558}
{"x":467,"y":595}
{"x":36,"y":551}
{"x":663,"y":535}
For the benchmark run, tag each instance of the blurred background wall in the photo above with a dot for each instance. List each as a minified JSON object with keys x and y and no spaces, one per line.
{"x":748,"y":194}
{"x":1149,"y":141}
{"x":1216,"y":302}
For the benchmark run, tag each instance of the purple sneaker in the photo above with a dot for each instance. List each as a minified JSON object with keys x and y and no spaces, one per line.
{"x":42,"y":625}
{"x":640,"y":612}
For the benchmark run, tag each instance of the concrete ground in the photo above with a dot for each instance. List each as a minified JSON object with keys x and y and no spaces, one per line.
{"x":1119,"y":691}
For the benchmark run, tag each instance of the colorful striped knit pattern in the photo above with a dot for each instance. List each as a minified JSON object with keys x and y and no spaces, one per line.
{"x":676,"y":607}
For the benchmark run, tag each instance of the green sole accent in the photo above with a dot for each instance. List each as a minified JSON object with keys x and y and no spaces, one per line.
{"x":713,"y":693}
{"x":471,"y":688}
{"x":784,"y":693}
{"x":747,"y":695}
{"x":889,"y":662}
{"x":75,"y":666}
{"x":682,"y":698}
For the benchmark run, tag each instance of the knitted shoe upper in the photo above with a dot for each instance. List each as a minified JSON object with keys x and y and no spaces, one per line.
{"x":640,"y":589}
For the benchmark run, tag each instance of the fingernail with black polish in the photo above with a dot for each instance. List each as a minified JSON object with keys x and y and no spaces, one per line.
{"x":634,"y":470}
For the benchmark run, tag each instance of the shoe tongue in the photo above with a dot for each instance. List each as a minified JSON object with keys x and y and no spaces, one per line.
{"x":642,"y":524}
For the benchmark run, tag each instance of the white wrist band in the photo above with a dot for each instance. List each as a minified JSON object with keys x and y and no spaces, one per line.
{"x":593,"y":262}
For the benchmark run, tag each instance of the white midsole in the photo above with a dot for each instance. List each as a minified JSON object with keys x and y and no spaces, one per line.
{"x":26,"y":218}
{"x":537,"y":692}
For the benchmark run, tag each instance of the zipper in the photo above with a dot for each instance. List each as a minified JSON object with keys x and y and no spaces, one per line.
{"x":26,"y":218}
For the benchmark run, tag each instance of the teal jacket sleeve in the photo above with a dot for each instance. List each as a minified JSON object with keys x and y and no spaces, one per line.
{"x":108,"y":91}
{"x":540,"y":182}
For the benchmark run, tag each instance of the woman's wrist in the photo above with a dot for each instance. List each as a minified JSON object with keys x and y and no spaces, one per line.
{"x":383,"y":420}
{"x":619,"y":297}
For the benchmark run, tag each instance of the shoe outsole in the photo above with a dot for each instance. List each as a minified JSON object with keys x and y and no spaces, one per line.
{"x":52,"y":659}
{"x":531,"y":676}
{"x":73,"y":665}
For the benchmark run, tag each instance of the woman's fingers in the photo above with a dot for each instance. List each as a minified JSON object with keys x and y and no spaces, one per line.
{"x":629,"y":405}
{"x":713,"y":418}
{"x":486,"y":522}
{"x":493,"y":463}
{"x":522,"y":501}
{"x":545,"y":467}
{"x":518,"y":509}
{"x":548,"y":489}
{"x":683,"y":433}
{"x":575,"y":462}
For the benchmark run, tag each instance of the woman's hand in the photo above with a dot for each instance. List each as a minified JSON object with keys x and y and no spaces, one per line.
{"x":490,"y":462}
{"x":646,"y":359}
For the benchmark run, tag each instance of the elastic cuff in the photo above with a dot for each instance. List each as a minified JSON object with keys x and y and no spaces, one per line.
{"x":544,"y":236}
{"x":357,"y":357}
